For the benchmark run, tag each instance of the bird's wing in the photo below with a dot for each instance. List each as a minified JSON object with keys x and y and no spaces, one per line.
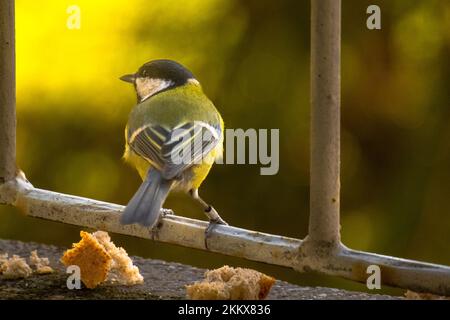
{"x":173,"y":151}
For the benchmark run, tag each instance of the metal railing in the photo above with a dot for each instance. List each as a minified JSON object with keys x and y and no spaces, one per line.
{"x":320,"y":251}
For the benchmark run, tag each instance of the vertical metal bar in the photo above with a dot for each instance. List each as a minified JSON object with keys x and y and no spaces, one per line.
{"x":325,"y":121}
{"x":7,"y":92}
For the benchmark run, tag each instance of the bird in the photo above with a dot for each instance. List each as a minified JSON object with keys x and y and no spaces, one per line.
{"x":173,"y":136}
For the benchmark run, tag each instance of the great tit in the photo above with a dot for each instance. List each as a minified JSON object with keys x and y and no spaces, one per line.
{"x":170,"y":106}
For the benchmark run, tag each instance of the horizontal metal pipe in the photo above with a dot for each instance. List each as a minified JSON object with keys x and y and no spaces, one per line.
{"x":352,"y":264}
{"x":397,"y":272}
{"x":174,"y":229}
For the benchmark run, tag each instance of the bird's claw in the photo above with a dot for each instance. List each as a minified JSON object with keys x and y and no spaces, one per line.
{"x":212,"y":224}
{"x":155,"y":229}
{"x":166,"y":212}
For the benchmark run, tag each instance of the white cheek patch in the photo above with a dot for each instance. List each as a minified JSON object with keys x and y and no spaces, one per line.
{"x":147,"y":87}
{"x":193,"y":81}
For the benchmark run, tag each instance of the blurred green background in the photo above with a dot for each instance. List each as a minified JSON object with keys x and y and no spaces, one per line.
{"x":252,"y":58}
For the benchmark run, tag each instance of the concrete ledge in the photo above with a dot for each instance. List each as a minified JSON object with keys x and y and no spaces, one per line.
{"x":163,"y":280}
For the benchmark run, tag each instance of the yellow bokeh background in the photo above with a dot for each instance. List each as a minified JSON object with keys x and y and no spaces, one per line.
{"x":252,"y":58}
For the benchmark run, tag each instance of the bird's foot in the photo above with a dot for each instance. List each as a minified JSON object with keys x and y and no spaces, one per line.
{"x":212,"y":224}
{"x":166,"y":212}
{"x":157,"y":227}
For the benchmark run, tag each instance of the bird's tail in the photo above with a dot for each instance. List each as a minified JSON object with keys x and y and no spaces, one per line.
{"x":144,"y":208}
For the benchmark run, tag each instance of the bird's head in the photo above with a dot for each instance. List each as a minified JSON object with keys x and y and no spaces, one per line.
{"x":158,"y":75}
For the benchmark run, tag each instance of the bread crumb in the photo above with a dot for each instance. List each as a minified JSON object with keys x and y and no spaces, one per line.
{"x":227,"y":283}
{"x":208,"y":291}
{"x":42,"y":265}
{"x":92,"y":259}
{"x":15,"y":268}
{"x":101,"y":261}
{"x":3,"y":259}
{"x":411,"y":295}
{"x":122,"y":270}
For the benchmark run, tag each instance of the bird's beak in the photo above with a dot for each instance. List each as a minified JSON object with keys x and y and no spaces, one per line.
{"x":128,"y":78}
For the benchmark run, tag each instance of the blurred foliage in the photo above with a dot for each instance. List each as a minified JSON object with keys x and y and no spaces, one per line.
{"x":252,"y":58}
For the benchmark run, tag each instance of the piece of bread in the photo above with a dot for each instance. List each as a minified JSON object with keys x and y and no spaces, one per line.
{"x":92,"y":259}
{"x":42,"y":265}
{"x":122,"y":270}
{"x":227,"y":283}
{"x":101,"y":261}
{"x":15,"y":268}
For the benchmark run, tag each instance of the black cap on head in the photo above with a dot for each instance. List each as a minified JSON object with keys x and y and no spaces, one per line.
{"x":162,"y":69}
